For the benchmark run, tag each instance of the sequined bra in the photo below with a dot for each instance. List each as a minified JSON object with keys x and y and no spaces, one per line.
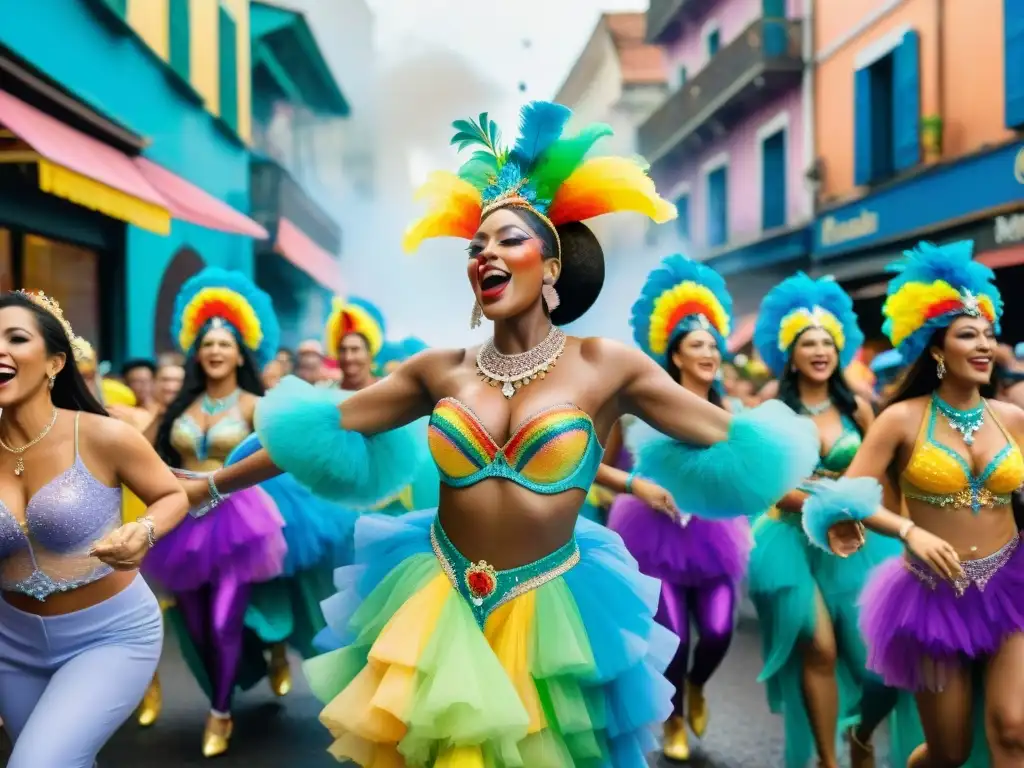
{"x":941,"y":477}
{"x":550,"y":452}
{"x":48,"y":552}
{"x":212,"y":447}
{"x":839,"y":457}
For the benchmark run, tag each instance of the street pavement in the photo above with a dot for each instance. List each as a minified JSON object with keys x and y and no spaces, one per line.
{"x":272,"y":733}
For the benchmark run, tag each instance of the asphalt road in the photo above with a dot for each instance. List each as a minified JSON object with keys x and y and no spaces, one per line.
{"x":272,"y":733}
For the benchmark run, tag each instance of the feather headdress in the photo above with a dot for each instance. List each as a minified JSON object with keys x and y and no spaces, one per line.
{"x":680,"y":295}
{"x":935,"y":284}
{"x":543,"y":172}
{"x":229,"y":299}
{"x":354,"y":316}
{"x":798,"y":303}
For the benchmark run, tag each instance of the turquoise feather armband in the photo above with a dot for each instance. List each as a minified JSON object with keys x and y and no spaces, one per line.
{"x":769,"y":450}
{"x":838,"y":501}
{"x":300,"y":427}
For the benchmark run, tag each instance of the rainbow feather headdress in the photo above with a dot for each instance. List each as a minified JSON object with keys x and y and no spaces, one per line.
{"x":935,"y":284}
{"x":226,"y":299}
{"x":680,"y":295}
{"x":543,"y":172}
{"x":798,"y":303}
{"x":354,"y":316}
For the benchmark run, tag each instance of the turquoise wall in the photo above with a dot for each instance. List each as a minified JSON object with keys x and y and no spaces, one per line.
{"x":117,"y":75}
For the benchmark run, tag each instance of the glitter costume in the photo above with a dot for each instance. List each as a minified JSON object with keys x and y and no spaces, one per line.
{"x":699,"y":562}
{"x":787,"y":572}
{"x":449,"y":662}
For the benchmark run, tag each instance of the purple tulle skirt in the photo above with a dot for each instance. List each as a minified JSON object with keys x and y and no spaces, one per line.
{"x":241,"y":538}
{"x":918,"y":629}
{"x":688,"y":555}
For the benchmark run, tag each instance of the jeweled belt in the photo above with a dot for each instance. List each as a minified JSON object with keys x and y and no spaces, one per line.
{"x":485,"y":588}
{"x":978,"y":572}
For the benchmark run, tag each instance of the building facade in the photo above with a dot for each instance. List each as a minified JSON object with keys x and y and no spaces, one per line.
{"x":910,"y":145}
{"x":124,"y":166}
{"x":731,"y":145}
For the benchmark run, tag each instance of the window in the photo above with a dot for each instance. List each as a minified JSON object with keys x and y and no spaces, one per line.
{"x":1013,"y":29}
{"x":718,"y":205}
{"x":70,"y":275}
{"x":228,"y":39}
{"x":714,"y":42}
{"x":773,"y":180}
{"x":179,"y":38}
{"x":773,"y":9}
{"x":887,"y":110}
{"x":682,"y":76}
{"x":683,"y":217}
{"x":6,"y":261}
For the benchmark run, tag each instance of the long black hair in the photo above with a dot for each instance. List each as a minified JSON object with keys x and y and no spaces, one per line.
{"x":838,"y":390}
{"x":69,"y":389}
{"x":714,"y":396}
{"x":582,"y":275}
{"x":194,"y":386}
{"x":921,"y":378}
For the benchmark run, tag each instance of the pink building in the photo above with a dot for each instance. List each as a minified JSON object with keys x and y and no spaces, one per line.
{"x":732,"y":143}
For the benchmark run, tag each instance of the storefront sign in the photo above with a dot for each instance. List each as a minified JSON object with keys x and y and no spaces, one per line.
{"x":1009,"y":229}
{"x":1018,"y":166}
{"x":835,"y":231}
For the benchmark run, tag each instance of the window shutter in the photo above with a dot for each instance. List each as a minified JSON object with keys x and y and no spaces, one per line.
{"x":228,"y":39}
{"x":179,"y":37}
{"x":862,"y":126}
{"x":683,"y":217}
{"x":906,"y":108}
{"x":1013,"y":29}
{"x":773,"y":181}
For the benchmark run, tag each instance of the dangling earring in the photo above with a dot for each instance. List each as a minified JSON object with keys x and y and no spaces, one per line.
{"x":940,"y":366}
{"x":551,"y":297}
{"x":476,"y":316}
{"x":53,"y":380}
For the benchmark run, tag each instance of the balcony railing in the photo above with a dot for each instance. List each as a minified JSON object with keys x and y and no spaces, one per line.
{"x":274,"y":194}
{"x":764,"y":59}
{"x":664,"y":17}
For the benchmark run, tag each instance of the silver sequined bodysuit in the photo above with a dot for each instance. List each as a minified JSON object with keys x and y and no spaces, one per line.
{"x":49,"y":552}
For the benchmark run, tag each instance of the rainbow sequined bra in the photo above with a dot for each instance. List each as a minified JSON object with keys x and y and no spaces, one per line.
{"x":550,"y":452}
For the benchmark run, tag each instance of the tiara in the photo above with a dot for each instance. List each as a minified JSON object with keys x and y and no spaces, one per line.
{"x":43,"y":301}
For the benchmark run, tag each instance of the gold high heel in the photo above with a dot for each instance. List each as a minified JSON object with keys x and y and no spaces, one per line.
{"x":279,"y":672}
{"x":152,"y":703}
{"x":676,"y":744}
{"x":217,"y":736}
{"x":861,"y":755}
{"x":696,"y":710}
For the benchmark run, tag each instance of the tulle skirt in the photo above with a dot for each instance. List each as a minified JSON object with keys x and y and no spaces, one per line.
{"x":449,"y":663}
{"x":687,"y":554}
{"x":242,"y":537}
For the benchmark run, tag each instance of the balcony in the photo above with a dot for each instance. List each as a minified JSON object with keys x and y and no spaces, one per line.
{"x":665,"y":18}
{"x":765,"y":60}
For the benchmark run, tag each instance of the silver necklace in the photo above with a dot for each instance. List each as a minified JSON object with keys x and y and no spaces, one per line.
{"x":19,"y":465}
{"x":211,"y":406}
{"x":818,"y":408}
{"x":516,"y":371}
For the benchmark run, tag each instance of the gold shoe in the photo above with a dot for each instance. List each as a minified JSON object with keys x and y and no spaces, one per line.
{"x":152,"y":703}
{"x":280,"y":673}
{"x":676,"y":745}
{"x":861,"y":755}
{"x":696,"y":710}
{"x":217,"y":736}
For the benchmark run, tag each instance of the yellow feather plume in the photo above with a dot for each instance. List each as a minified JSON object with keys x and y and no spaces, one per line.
{"x":907,"y":309}
{"x":702,"y":300}
{"x":797,"y":322}
{"x":453,"y":210}
{"x":608,"y":185}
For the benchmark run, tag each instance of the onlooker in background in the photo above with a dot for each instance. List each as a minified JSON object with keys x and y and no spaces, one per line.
{"x":166,"y":384}
{"x":309,"y":362}
{"x":138,"y":375}
{"x":287,"y":360}
{"x":355,"y":361}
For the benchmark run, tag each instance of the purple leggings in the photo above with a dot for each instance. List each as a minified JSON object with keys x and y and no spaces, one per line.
{"x":712,"y":608}
{"x":214,"y":616}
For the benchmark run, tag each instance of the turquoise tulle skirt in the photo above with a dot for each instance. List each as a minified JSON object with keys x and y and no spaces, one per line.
{"x":787,"y":574}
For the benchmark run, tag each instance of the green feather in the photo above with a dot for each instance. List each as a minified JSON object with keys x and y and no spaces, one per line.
{"x":562,"y":158}
{"x":483,"y":133}
{"x":480,"y":169}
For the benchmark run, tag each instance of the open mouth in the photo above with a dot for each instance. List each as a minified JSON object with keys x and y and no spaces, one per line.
{"x":980,"y":363}
{"x":706,"y":365}
{"x":493,"y":282}
{"x":7,"y":374}
{"x":819,"y":365}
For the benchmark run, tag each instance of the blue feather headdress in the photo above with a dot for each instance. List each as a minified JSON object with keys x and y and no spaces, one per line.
{"x":218,"y":296}
{"x":798,"y":303}
{"x":933,"y":286}
{"x":680,"y":295}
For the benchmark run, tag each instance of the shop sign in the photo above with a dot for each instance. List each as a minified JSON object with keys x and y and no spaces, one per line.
{"x":835,"y":231}
{"x":1009,"y":229}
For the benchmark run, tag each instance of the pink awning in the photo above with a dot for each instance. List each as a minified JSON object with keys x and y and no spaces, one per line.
{"x":191,"y":203}
{"x":300,"y":250}
{"x":742,"y":333}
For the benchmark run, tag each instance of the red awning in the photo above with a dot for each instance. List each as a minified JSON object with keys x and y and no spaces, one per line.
{"x":300,"y":250}
{"x":1002,"y":257}
{"x":742,"y":333}
{"x":84,"y":170}
{"x":188,"y":202}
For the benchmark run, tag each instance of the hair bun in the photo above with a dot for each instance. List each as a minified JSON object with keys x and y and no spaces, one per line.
{"x":582,"y":275}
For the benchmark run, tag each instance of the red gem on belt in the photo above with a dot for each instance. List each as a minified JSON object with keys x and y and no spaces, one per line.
{"x":482,"y":580}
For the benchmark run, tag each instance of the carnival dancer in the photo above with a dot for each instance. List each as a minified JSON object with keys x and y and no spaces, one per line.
{"x":947,"y":621}
{"x":80,"y":632}
{"x":499,"y":629}
{"x":226,"y":327}
{"x":681,"y":320}
{"x":814,"y":658}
